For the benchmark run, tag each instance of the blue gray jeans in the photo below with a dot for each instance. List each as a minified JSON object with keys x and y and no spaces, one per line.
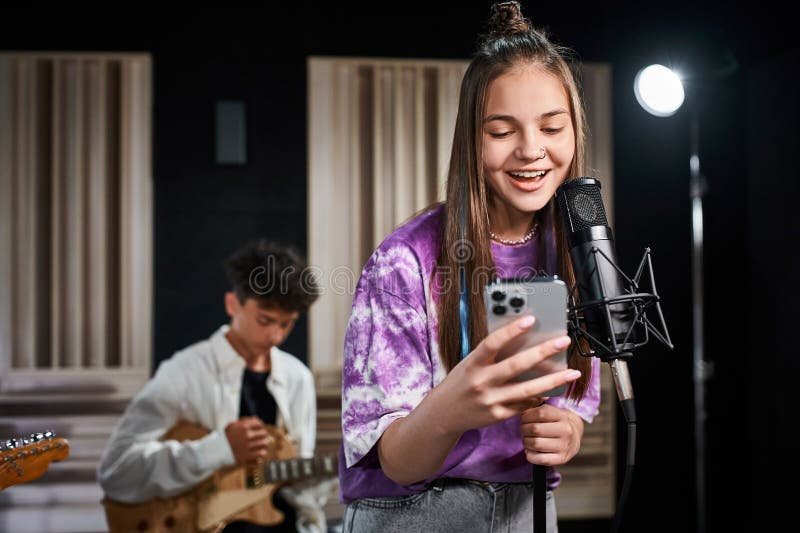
{"x":451,"y":506}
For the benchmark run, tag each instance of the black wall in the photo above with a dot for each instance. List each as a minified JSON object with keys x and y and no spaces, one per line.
{"x":747,"y":123}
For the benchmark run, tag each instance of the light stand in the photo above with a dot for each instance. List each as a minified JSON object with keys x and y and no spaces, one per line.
{"x":701,"y":370}
{"x":662,"y":105}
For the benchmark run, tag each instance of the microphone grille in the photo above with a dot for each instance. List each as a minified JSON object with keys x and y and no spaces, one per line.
{"x":581,"y":202}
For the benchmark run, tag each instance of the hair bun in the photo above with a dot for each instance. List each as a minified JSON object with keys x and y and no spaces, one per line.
{"x":506,"y":19}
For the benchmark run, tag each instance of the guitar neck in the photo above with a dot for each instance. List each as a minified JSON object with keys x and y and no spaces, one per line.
{"x":28,"y":458}
{"x":299,"y":469}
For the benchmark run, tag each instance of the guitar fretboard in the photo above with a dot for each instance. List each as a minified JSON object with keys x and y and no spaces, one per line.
{"x":298,"y":469}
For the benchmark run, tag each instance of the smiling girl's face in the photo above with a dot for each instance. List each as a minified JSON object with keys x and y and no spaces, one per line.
{"x":528,"y":143}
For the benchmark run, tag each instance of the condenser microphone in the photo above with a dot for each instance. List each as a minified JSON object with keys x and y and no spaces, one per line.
{"x":596,"y":273}
{"x":606,"y":315}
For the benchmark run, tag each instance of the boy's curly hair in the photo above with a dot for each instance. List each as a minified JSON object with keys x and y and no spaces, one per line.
{"x":276,"y":275}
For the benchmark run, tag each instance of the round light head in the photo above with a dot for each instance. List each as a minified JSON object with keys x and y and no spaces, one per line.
{"x":658,"y":90}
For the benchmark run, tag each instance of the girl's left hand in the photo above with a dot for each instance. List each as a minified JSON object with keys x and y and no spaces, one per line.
{"x":551,"y":435}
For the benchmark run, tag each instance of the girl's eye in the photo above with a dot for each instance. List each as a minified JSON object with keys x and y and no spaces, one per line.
{"x":500,"y":135}
{"x":552,"y":130}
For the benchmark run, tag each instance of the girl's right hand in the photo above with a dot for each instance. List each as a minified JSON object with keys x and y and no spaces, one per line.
{"x":479,"y":391}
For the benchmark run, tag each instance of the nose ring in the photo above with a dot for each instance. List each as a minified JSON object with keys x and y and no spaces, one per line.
{"x":543,"y":153}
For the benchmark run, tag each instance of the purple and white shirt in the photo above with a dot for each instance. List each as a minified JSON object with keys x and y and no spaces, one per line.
{"x":391,"y":361}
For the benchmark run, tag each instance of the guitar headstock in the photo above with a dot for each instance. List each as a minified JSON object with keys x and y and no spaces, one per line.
{"x":27,"y":458}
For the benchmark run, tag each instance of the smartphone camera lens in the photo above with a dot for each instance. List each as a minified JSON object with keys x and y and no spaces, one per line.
{"x":516,"y":301}
{"x":498,"y":296}
{"x":499,"y":309}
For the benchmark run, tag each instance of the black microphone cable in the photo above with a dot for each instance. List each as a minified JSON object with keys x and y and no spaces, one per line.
{"x":629,"y":411}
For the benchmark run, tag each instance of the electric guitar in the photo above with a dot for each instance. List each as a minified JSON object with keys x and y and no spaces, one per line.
{"x":27,"y":458}
{"x":236,"y":493}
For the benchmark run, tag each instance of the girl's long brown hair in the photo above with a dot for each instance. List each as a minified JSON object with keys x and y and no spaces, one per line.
{"x":511,"y":41}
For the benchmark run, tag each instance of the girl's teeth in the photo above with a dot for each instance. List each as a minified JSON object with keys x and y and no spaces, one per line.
{"x":528,"y":174}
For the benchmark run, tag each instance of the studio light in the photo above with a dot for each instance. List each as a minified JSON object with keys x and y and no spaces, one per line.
{"x":658,"y":90}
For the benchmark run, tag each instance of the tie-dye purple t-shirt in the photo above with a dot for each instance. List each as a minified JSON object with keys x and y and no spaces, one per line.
{"x":391,"y":361}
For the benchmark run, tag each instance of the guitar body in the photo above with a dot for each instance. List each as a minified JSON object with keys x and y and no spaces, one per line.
{"x":230,"y":494}
{"x":178,"y":514}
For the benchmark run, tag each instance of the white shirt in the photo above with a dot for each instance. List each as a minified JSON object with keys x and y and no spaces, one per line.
{"x":199,"y":384}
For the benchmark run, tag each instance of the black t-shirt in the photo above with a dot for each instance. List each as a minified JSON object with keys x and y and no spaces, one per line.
{"x":257,"y":401}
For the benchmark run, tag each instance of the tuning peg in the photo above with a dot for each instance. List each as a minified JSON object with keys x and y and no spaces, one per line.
{"x":9,"y":444}
{"x":49,"y":435}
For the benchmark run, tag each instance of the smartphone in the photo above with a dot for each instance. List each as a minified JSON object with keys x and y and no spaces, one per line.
{"x":545,"y":298}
